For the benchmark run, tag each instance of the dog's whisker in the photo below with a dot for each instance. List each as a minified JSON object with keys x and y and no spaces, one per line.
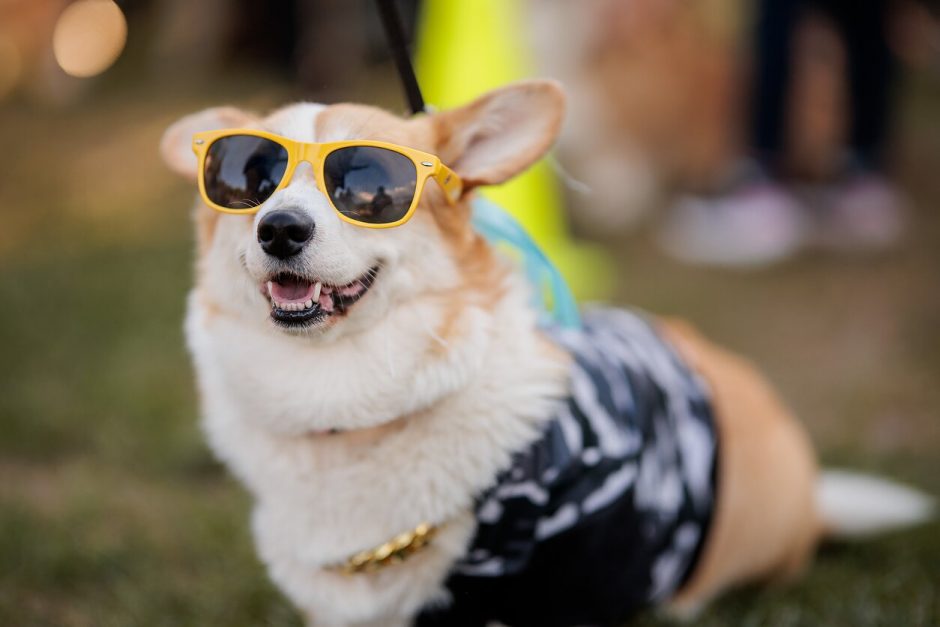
{"x":247,"y":204}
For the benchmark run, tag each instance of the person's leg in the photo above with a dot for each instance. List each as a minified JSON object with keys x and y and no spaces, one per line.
{"x":870,"y":68}
{"x":864,"y":208}
{"x":753,"y":219}
{"x":776,"y":23}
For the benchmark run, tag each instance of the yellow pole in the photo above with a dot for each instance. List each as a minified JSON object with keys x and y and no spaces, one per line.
{"x":466,"y":48}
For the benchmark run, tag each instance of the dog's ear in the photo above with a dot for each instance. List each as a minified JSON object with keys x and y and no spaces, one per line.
{"x":177,"y":143}
{"x":502,"y":133}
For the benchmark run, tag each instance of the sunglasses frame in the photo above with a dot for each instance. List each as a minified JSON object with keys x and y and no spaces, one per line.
{"x":426,"y":166}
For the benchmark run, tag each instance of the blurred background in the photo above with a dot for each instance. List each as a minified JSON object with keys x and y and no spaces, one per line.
{"x":767,"y":169}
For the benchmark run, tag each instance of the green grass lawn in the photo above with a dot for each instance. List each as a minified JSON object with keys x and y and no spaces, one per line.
{"x":112,"y":511}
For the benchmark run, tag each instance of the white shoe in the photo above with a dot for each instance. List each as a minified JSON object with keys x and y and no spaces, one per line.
{"x":863,"y":214}
{"x":756,"y":225}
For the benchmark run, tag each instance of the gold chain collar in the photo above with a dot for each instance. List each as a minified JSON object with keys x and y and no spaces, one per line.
{"x":396,"y":550}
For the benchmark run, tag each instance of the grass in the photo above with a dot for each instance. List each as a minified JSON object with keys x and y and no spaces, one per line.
{"x":112,"y":512}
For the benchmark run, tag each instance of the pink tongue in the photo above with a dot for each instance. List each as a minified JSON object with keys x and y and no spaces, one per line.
{"x":292,"y":291}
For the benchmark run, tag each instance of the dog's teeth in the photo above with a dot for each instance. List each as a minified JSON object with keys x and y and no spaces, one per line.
{"x":316,"y":292}
{"x":308,"y":304}
{"x":271,"y":289}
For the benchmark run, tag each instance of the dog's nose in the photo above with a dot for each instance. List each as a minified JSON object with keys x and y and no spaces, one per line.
{"x":284,"y":233}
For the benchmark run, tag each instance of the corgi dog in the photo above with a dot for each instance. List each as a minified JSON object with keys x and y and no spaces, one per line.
{"x":420,"y":450}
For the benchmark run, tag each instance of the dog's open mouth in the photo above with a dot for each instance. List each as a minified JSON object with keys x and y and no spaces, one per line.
{"x":298,"y":301}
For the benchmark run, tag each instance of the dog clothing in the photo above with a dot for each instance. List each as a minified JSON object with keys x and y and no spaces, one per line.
{"x":607,"y":511}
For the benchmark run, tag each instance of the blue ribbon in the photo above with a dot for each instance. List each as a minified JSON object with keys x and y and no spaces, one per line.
{"x":552,"y":296}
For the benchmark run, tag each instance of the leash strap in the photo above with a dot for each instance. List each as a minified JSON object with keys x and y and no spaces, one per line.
{"x":391,"y":22}
{"x":552,"y":296}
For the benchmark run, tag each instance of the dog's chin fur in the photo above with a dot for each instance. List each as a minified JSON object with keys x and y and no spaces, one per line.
{"x":351,"y":430}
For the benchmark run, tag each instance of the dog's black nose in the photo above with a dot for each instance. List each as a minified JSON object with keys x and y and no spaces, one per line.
{"x":284,"y":233}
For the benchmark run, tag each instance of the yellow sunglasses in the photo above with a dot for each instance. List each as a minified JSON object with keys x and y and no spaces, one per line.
{"x":369,"y":183}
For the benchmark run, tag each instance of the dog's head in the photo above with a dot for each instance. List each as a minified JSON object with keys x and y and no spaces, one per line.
{"x":363,"y":273}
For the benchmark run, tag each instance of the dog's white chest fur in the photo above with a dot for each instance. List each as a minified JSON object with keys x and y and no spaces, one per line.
{"x":452,"y":414}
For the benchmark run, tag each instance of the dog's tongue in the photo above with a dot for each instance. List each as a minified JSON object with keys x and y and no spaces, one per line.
{"x":291,"y":290}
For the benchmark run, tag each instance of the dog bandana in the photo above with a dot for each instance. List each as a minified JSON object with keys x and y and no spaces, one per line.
{"x":605,"y":512}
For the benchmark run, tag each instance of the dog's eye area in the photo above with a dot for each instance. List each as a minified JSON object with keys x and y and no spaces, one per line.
{"x":370,"y":184}
{"x":242,"y":171}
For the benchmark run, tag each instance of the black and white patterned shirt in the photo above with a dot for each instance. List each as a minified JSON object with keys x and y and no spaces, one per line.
{"x":607,"y":511}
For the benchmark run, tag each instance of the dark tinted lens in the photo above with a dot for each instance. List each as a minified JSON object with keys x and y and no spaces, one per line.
{"x":242,"y":171}
{"x":370,"y":184}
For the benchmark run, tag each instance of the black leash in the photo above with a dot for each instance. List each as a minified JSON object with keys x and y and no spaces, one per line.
{"x":395,"y":32}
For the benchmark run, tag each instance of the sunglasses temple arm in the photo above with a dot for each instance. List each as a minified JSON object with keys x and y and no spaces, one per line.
{"x":450,"y":183}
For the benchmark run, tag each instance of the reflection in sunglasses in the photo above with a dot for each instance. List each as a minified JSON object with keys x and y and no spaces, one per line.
{"x":352,"y":173}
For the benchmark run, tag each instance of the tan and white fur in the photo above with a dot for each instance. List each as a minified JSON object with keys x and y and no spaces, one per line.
{"x":364,"y":425}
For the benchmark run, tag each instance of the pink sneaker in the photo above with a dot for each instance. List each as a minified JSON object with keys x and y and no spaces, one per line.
{"x":865,"y":213}
{"x":756,"y":225}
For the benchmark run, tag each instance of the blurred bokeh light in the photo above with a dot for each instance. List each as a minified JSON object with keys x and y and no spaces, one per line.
{"x":89,"y":37}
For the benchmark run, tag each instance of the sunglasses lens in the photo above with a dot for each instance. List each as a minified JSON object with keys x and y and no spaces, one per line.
{"x":242,"y":171}
{"x":369,"y":184}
